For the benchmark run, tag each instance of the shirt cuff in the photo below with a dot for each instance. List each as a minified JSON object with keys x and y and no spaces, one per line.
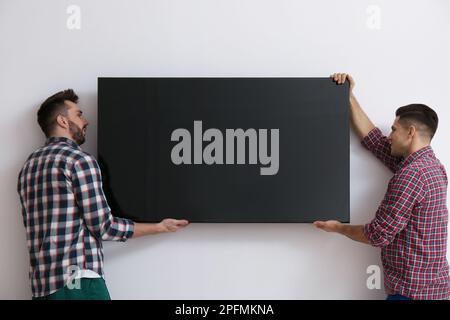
{"x":367,"y":233}
{"x":128,"y":231}
{"x":372,"y":138}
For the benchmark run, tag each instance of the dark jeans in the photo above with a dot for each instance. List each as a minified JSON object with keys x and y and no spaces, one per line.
{"x":397,"y":297}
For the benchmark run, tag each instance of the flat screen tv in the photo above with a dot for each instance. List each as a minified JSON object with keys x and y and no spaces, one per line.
{"x":225,"y":149}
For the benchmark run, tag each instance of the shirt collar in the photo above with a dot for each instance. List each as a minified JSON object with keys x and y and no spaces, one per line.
{"x":55,"y":140}
{"x":424,"y":152}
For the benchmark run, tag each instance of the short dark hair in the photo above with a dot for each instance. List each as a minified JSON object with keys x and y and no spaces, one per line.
{"x":419,"y":114}
{"x":52,"y":107}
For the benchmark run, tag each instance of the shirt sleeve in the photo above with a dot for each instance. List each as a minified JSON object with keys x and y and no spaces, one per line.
{"x":91,"y":201}
{"x":380,"y":147}
{"x":405,"y":191}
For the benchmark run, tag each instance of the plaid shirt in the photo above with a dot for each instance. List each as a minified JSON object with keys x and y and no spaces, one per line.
{"x":65,"y":213}
{"x":410,"y":224}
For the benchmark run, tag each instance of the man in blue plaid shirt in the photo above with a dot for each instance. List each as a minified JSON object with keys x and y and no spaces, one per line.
{"x":64,"y":209}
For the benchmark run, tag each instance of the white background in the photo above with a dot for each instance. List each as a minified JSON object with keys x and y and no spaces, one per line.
{"x":405,"y":61}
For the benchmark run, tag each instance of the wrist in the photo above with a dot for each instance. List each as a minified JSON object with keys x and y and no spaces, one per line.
{"x":160,"y":228}
{"x":342,"y":229}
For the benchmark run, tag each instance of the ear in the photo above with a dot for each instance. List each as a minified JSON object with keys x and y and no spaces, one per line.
{"x":62,"y":121}
{"x":412,"y":131}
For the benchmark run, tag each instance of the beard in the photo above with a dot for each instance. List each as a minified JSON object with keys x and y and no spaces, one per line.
{"x":78,"y":134}
{"x":394,"y":152}
{"x":398,"y":151}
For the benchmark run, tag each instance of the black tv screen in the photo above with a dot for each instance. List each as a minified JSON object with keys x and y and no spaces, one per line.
{"x":225,"y":149}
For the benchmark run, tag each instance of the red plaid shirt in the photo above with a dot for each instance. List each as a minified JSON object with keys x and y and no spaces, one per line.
{"x":410,"y":224}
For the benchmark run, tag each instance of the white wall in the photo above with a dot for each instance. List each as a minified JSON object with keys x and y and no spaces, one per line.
{"x":405,"y":61}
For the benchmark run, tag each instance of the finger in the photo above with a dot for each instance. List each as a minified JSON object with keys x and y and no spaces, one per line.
{"x":335,"y":77}
{"x":182,"y":222}
{"x":171,"y":220}
{"x":350,"y":79}
{"x":342,"y":78}
{"x":319,"y":224}
{"x":178,"y":224}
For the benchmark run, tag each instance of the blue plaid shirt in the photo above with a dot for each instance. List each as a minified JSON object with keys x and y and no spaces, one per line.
{"x":65,"y":213}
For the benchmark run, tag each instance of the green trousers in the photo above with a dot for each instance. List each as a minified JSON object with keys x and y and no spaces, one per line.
{"x":90,"y":289}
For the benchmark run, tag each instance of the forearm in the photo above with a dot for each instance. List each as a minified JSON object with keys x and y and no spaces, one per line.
{"x":143,"y":229}
{"x":361,"y":123}
{"x":355,"y":233}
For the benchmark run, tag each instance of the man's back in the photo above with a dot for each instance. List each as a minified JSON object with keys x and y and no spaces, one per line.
{"x":65,"y":214}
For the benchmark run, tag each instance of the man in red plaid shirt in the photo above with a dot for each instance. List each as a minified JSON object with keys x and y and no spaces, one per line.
{"x":410,"y":225}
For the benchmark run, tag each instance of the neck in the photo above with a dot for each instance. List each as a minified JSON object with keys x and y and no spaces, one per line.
{"x":61,"y":135}
{"x":416,"y":147}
